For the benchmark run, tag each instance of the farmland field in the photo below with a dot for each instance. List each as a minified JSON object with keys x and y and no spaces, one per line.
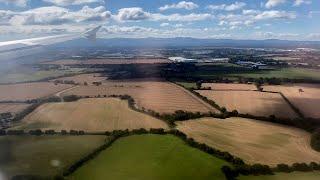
{"x":81,"y":78}
{"x":253,"y":141}
{"x":282,"y":176}
{"x":29,"y":91}
{"x":291,"y":73}
{"x":109,"y":61}
{"x":187,"y":84}
{"x":306,"y":97}
{"x":43,"y":155}
{"x":162,"y":97}
{"x":151,"y":157}
{"x":102,"y":114}
{"x":13,"y":107}
{"x":251,"y":102}
{"x":230,"y":86}
{"x":25,"y":74}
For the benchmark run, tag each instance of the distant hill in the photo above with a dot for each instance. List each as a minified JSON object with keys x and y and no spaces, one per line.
{"x":188,"y":42}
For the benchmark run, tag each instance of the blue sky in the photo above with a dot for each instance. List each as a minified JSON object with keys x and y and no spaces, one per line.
{"x":236,"y":19}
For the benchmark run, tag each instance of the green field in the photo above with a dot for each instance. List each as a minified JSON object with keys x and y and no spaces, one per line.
{"x":147,"y":157}
{"x":43,"y":155}
{"x":30,"y":74}
{"x":187,"y":84}
{"x":284,"y":176}
{"x":291,"y":73}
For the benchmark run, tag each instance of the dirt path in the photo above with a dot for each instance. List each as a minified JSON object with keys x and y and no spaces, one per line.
{"x":58,"y":94}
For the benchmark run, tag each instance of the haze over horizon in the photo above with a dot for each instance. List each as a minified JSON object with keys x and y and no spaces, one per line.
{"x":221,"y":19}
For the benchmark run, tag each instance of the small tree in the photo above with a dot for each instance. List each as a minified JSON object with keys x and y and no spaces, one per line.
{"x":283,"y":168}
{"x":223,"y":110}
{"x":315,"y":140}
{"x":198,"y":84}
{"x":229,"y":173}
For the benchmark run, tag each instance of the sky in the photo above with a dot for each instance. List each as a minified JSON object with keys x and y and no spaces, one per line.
{"x":217,"y":19}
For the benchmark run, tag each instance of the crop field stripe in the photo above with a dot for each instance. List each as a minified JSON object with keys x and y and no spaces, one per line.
{"x":195,"y":97}
{"x":101,"y":114}
{"x":284,"y":144}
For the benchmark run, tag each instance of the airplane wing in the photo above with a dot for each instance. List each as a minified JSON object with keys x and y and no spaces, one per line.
{"x":10,"y":47}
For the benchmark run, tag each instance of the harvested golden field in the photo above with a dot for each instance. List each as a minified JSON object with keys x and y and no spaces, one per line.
{"x":306,"y":97}
{"x":81,"y":78}
{"x":28,"y":91}
{"x":162,"y":97}
{"x":13,"y":107}
{"x":93,"y":114}
{"x":253,"y":141}
{"x":230,"y":86}
{"x":109,"y":61}
{"x":252,"y":102}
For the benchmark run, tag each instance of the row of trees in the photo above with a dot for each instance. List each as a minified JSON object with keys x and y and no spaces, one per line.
{"x":39,"y":132}
{"x":34,"y":104}
{"x":259,"y":169}
{"x":315,"y":140}
{"x":71,"y":98}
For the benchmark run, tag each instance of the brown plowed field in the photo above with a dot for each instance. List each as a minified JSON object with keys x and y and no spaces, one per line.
{"x":93,"y":114}
{"x":306,"y":97}
{"x":230,"y":86}
{"x":109,"y":61}
{"x":253,"y":141}
{"x":159,"y":96}
{"x":81,"y":78}
{"x":28,"y":91}
{"x":251,"y":102}
{"x":13,"y":107}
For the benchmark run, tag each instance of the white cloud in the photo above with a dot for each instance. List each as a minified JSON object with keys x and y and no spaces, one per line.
{"x":273,"y":3}
{"x":250,"y":12}
{"x":181,"y":5}
{"x":231,"y":7}
{"x":272,"y":35}
{"x":72,"y":2}
{"x":178,"y":25}
{"x":182,"y":18}
{"x":314,"y":36}
{"x":249,"y":17}
{"x":21,"y":3}
{"x":132,"y":14}
{"x":53,"y":15}
{"x":127,"y":29}
{"x":138,"y":14}
{"x":300,"y":2}
{"x":313,"y":13}
{"x":275,"y":15}
{"x":164,"y":24}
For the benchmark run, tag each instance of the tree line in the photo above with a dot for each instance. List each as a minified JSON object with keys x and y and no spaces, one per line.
{"x":239,"y":166}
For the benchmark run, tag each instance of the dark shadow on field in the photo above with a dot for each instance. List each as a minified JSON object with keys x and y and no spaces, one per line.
{"x":276,"y":106}
{"x":270,"y":106}
{"x":309,"y":107}
{"x":6,"y":147}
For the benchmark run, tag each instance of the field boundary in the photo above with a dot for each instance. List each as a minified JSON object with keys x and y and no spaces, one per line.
{"x":293,"y":107}
{"x":194,"y":96}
